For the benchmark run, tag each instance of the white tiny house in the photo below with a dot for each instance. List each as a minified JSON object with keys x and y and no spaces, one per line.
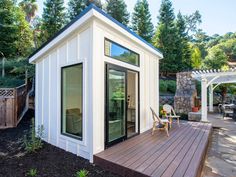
{"x":95,"y":83}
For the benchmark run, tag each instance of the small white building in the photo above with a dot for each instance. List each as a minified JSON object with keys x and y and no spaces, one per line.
{"x":95,"y":83}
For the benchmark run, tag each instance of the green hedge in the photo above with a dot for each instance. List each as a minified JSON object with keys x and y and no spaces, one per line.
{"x":167,"y":86}
{"x":10,"y":82}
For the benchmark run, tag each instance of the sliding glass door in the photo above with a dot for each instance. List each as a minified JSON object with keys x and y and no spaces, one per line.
{"x":116,"y":109}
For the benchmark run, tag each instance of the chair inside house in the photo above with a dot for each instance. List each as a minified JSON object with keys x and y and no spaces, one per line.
{"x":170,"y":113}
{"x":158,"y":123}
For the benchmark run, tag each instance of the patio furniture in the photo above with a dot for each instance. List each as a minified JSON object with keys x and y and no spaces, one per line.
{"x":170,"y":113}
{"x":227,"y":110}
{"x":161,"y":124}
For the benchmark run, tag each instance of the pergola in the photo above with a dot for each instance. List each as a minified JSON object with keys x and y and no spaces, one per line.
{"x":212,"y":79}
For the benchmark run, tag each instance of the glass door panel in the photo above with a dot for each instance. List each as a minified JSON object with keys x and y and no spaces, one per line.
{"x":116,"y":105}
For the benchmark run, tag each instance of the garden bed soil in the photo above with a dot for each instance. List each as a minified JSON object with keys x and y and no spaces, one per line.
{"x":49,"y":161}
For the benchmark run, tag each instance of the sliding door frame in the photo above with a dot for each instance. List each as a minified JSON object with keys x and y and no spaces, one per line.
{"x":106,"y":107}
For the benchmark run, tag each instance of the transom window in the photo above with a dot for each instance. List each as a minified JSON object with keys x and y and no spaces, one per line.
{"x":121,"y":53}
{"x":72,"y":100}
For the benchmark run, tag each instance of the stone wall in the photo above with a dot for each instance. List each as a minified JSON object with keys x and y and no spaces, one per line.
{"x":185,"y":92}
{"x":167,"y":99}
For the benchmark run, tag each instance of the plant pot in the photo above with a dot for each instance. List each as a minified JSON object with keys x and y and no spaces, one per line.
{"x":194,"y":109}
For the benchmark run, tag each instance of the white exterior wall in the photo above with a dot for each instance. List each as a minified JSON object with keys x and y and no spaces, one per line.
{"x":148,"y":80}
{"x":73,"y":50}
{"x":86,"y":46}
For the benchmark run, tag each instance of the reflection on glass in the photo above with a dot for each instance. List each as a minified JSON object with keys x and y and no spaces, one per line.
{"x":121,"y":53}
{"x":116,"y":102}
{"x":72,"y":109}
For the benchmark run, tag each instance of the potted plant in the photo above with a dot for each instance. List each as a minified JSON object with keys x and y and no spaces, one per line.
{"x":196,"y":106}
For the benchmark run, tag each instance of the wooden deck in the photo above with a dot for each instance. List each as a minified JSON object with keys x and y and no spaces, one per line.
{"x":180,"y":154}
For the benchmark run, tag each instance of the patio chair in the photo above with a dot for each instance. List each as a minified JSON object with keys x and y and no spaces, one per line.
{"x":158,"y":123}
{"x":170,"y":113}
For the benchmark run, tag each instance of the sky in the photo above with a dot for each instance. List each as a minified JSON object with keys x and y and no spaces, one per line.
{"x":218,"y":16}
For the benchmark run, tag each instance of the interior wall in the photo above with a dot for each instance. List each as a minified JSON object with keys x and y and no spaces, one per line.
{"x":131,"y":90}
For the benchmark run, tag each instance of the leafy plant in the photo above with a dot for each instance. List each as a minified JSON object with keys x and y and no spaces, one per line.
{"x":167,"y":86}
{"x":34,"y":141}
{"x":32,"y":172}
{"x":171,"y":86}
{"x":82,"y":173}
{"x":163,"y":86}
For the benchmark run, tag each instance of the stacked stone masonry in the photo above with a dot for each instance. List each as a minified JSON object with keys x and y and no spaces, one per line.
{"x":185,"y":92}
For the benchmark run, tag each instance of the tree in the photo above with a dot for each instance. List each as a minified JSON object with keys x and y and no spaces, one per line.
{"x":36,"y":25}
{"x":196,"y":58}
{"x":192,"y":22}
{"x":118,"y":10}
{"x":166,"y":38}
{"x":29,"y":7}
{"x":24,"y":42}
{"x":183,"y":48}
{"x":53,"y":18}
{"x":215,"y":59}
{"x":75,"y":7}
{"x":15,"y":33}
{"x":229,"y":47}
{"x":141,"y":20}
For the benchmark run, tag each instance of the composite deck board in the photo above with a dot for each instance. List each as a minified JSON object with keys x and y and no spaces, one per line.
{"x":180,"y":154}
{"x":177,"y":155}
{"x":145,"y":154}
{"x":169,"y":171}
{"x":164,"y":150}
{"x":171,"y":149}
{"x":141,"y":150}
{"x":180,"y":171}
{"x":197,"y":158}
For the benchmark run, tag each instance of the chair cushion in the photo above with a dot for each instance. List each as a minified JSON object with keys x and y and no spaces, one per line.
{"x":164,"y":120}
{"x":160,"y":126}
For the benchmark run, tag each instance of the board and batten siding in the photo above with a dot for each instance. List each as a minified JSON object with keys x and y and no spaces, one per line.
{"x":74,"y":49}
{"x":148,"y":80}
{"x":86,"y":45}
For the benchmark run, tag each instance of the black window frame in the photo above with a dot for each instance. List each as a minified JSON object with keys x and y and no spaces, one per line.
{"x":68,"y":134}
{"x":106,"y":39}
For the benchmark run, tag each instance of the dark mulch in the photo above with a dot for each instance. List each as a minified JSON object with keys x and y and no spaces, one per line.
{"x":50,"y":161}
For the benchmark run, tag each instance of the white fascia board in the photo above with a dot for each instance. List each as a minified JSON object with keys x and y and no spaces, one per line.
{"x":126,"y":33}
{"x":61,"y":36}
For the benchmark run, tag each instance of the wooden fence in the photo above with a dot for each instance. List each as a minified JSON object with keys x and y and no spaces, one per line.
{"x":12,"y":105}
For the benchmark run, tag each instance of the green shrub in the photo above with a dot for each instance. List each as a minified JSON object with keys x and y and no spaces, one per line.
{"x":10,"y":82}
{"x":15,"y":69}
{"x":34,"y":141}
{"x":183,"y":116}
{"x":171,"y":86}
{"x":32,"y":172}
{"x":163,"y":86}
{"x":160,"y":110}
{"x":167,"y":86}
{"x":82,"y":173}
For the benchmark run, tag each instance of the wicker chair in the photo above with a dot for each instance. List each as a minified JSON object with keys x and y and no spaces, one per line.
{"x":170,"y":113}
{"x":158,"y":123}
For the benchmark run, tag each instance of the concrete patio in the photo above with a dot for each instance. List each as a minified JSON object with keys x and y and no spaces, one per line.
{"x":221,"y":158}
